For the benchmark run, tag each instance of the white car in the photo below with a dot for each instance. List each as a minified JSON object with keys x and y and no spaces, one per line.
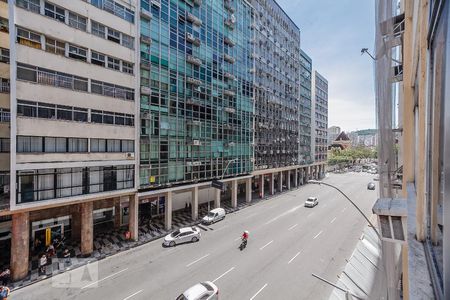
{"x":201,"y":291}
{"x":311,"y":202}
{"x":182,"y":235}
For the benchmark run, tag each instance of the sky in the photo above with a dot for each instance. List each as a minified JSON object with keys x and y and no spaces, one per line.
{"x":332,"y":34}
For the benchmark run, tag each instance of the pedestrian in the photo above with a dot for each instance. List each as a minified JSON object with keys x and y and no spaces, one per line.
{"x":4,"y":292}
{"x":5,"y":276}
{"x":50,"y":250}
{"x":185,"y":206}
{"x":66,"y":255}
{"x":42,"y":264}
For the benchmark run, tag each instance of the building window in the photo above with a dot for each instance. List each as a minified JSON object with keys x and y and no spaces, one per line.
{"x":5,"y":115}
{"x":55,"y":46}
{"x":77,"y":145}
{"x":110,"y":90}
{"x":113,"y":35}
{"x":97,"y":58}
{"x":4,"y":85}
{"x":32,"y":5}
{"x":28,"y":38}
{"x":114,"y":63}
{"x":4,"y":26}
{"x":30,"y":144}
{"x":55,"y":12}
{"x":46,"y":111}
{"x":77,"y":52}
{"x":127,"y":41}
{"x":98,"y":29}
{"x":64,"y":113}
{"x":114,"y":8}
{"x":77,"y":21}
{"x":4,"y":145}
{"x":127,"y":67}
{"x":4,"y":55}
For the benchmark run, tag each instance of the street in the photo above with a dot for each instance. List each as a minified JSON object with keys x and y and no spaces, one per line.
{"x":287,"y":243}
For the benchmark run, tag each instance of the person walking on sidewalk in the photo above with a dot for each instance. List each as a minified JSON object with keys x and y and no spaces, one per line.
{"x":4,"y":292}
{"x":5,"y":277}
{"x":42,"y":264}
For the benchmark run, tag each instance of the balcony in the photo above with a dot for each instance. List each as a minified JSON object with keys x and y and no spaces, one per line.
{"x":191,"y":39}
{"x":146,"y":40}
{"x":5,"y":116}
{"x":145,"y":64}
{"x":229,"y":58}
{"x":193,"y":81}
{"x":230,"y":23}
{"x":229,"y":41}
{"x":230,"y":110}
{"x":229,"y":93}
{"x":146,"y":14}
{"x":229,"y":76}
{"x":193,"y":19}
{"x":193,"y":60}
{"x":145,"y":90}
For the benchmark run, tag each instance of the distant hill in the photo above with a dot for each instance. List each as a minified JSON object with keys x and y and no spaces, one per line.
{"x":366,"y":132}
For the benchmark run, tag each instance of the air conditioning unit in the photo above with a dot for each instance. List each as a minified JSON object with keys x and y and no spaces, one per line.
{"x":196,"y":142}
{"x":6,"y":189}
{"x":130,"y":155}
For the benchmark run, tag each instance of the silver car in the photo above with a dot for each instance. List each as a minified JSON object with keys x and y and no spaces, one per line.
{"x":203,"y":290}
{"x":311,"y":202}
{"x":182,"y":235}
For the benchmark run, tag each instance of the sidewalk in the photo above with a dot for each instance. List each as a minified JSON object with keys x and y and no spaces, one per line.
{"x":107,"y":242}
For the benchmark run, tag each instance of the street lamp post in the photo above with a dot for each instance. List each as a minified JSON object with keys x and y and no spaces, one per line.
{"x":346,"y":197}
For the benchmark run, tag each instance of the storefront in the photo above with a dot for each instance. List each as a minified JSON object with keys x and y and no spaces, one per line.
{"x":47,"y":230}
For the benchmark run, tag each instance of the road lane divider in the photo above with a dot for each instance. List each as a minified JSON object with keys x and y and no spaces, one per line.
{"x":231,"y":269}
{"x":132,"y":295}
{"x":266,"y":245}
{"x":332,"y":221}
{"x":260,"y":290}
{"x":317,"y":235}
{"x":292,"y":227}
{"x":98,"y":281}
{"x":294,"y":256}
{"x":197,"y":260}
{"x":344,"y":209}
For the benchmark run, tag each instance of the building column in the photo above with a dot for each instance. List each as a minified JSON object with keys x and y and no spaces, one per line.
{"x":75,"y":223}
{"x":217,"y":198}
{"x":288,"y":179}
{"x":280,"y":181}
{"x":87,"y":228}
{"x":296,"y":177}
{"x":248,"y":190}
{"x":234,"y":185}
{"x":117,"y":213}
{"x":261,"y":186}
{"x":194,"y":203}
{"x":272,"y":184}
{"x":20,"y":245}
{"x":133,"y":225}
{"x":168,"y":211}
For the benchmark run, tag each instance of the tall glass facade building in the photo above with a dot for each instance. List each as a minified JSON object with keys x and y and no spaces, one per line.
{"x":196,"y":91}
{"x":305,"y":109}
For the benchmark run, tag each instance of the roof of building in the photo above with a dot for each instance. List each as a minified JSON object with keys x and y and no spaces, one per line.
{"x":342,"y":137}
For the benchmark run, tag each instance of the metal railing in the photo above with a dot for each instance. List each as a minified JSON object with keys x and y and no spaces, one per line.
{"x":63,"y":81}
{"x":4,"y":87}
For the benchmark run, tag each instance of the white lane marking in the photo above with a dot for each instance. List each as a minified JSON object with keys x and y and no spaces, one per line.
{"x":254,"y":296}
{"x":266,"y":245}
{"x":292,"y":227}
{"x":294,"y":257}
{"x":317,"y":235}
{"x":334,"y":219}
{"x":231,"y":269}
{"x":284,"y":214}
{"x":197,"y":260}
{"x":237,"y":239}
{"x":109,"y":276}
{"x":344,"y":209}
{"x":309,"y":215}
{"x":132,"y":295}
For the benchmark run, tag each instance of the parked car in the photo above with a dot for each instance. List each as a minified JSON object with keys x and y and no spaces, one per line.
{"x":203,"y":290}
{"x":182,"y":235}
{"x":214,"y":215}
{"x":311,"y":202}
{"x":371,"y":186}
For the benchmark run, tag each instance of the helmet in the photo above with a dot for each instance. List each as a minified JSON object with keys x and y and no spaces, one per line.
{"x":246,"y":231}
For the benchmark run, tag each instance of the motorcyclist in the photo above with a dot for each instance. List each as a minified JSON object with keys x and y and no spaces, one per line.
{"x":245,"y":237}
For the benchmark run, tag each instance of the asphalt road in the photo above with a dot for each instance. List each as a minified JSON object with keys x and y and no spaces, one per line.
{"x":287,"y":243}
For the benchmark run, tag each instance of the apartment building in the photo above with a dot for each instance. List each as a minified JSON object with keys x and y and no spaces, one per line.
{"x":320,"y":117}
{"x":305,"y":109}
{"x":72,"y":103}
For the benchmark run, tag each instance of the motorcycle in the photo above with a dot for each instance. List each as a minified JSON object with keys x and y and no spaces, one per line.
{"x":243,"y":244}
